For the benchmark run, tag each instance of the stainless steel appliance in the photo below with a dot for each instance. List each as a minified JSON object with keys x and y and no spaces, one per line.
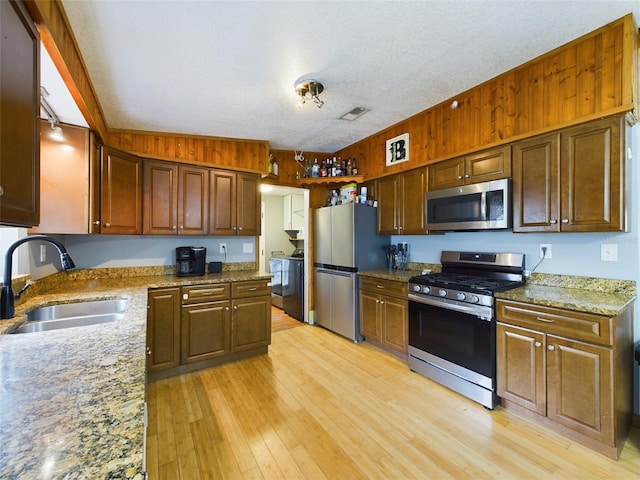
{"x":452,"y":328}
{"x":293,"y":287}
{"x":275,"y":267}
{"x":479,"y":206}
{"x":345,"y":242}
{"x":190,"y":261}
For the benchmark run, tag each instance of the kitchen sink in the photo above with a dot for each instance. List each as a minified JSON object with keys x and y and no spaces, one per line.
{"x":78,"y":314}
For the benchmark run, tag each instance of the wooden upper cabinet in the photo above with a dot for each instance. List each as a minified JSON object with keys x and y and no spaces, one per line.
{"x":483,"y":166}
{"x":572,"y":181}
{"x":121,"y":192}
{"x":176,"y":199}
{"x":19,"y":117}
{"x":592,"y":177}
{"x":235,"y":203}
{"x":401,"y":208}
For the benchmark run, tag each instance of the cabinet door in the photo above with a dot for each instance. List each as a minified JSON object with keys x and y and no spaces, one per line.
{"x":413,"y":186}
{"x":488,"y":165}
{"x":222,"y":206}
{"x":206,"y":331}
{"x":193,"y":200}
{"x":580,"y":387}
{"x":370,"y":318}
{"x":121,"y":192}
{"x":387,"y":211}
{"x":251,"y":323}
{"x":19,"y":117}
{"x":163,"y":329}
{"x":535,"y":185}
{"x":248,"y":205}
{"x":449,"y":173}
{"x":395,"y":320}
{"x":592,"y":178}
{"x":160,"y":198}
{"x":521,"y":367}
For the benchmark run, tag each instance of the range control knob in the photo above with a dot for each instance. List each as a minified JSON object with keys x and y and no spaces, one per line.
{"x":416,"y":288}
{"x":461,"y":296}
{"x":426,"y":289}
{"x":442,"y":292}
{"x":474,"y":299}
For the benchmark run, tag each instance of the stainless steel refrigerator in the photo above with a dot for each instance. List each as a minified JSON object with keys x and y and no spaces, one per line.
{"x":345,"y":242}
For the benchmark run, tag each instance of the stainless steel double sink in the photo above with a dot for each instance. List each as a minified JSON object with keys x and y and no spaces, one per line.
{"x":77,"y":314}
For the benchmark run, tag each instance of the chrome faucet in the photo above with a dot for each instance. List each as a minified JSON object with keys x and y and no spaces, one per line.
{"x":7,"y":300}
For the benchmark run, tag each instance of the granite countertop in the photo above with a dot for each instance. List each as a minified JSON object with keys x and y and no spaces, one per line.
{"x":72,"y":400}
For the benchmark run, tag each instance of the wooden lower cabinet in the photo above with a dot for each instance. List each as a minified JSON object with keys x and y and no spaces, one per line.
{"x":384,"y":313}
{"x":163,"y":329}
{"x":568,"y":369}
{"x":204,"y":325}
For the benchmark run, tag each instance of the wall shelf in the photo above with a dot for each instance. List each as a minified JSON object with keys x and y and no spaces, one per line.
{"x":330,"y":180}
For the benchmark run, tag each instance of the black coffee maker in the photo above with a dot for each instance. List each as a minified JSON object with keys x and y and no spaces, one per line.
{"x":190,"y":261}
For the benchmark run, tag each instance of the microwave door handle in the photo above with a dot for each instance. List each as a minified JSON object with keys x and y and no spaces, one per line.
{"x":483,"y":205}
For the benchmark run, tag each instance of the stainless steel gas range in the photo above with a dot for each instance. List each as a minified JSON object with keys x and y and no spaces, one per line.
{"x":452,"y":332}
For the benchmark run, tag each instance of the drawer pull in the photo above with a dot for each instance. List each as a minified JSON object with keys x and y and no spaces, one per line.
{"x":380,"y":286}
{"x":252,"y":289}
{"x":546,"y":320}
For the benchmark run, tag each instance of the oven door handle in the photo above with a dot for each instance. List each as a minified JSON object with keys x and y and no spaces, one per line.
{"x":483,"y":313}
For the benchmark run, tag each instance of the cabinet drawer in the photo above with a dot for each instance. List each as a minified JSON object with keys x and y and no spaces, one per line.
{"x":205,"y":293}
{"x":387,"y":287}
{"x":575,"y":325}
{"x":250,"y":289}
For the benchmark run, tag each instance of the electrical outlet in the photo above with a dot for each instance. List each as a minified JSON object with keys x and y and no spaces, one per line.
{"x":223,"y":248}
{"x":609,"y":252}
{"x":545,"y":250}
{"x":43,"y":253}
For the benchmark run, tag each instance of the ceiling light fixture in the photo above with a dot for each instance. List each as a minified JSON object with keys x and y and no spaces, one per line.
{"x":53,"y":119}
{"x":308,"y":89}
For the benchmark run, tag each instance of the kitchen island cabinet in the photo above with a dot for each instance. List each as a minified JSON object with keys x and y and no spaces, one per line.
{"x":567,"y":369}
{"x":384,"y":311}
{"x":19,"y":117}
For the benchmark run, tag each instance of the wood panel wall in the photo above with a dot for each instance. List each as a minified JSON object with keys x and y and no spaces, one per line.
{"x":591,"y":77}
{"x":235,"y":154}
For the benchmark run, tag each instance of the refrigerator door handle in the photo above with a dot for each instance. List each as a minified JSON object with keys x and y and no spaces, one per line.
{"x":337,"y":273}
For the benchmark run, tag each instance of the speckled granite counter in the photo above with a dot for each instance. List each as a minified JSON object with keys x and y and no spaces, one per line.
{"x":72,"y":400}
{"x":582,"y":294}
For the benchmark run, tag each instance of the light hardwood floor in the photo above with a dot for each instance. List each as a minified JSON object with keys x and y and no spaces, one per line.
{"x":318,"y":406}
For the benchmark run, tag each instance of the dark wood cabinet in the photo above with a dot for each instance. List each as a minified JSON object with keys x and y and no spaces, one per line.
{"x":121,"y":192}
{"x":163,"y":329}
{"x":571,"y":181}
{"x":19,"y":117}
{"x":206,"y":331}
{"x":384,"y":312}
{"x":483,"y":166}
{"x":401,"y":203}
{"x":176,"y":199}
{"x":235,"y":204}
{"x":251,"y":323}
{"x":571,"y":369}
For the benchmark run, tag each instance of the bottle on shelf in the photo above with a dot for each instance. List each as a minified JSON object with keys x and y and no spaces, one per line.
{"x":315,"y":169}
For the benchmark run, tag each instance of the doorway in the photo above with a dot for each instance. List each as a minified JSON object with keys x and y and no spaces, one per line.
{"x":284,"y":224}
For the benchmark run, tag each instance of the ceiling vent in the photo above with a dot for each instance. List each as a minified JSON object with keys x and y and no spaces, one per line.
{"x":354,"y":113}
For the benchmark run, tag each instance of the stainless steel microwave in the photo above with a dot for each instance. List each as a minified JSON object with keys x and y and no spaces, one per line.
{"x":480,"y":206}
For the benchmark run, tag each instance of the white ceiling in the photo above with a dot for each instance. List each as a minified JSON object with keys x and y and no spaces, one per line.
{"x":227,"y":68}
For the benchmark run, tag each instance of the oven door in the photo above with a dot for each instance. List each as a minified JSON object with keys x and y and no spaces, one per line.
{"x":461,"y":339}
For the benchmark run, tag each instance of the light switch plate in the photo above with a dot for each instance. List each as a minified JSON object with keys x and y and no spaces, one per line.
{"x":609,"y":252}
{"x":247,"y":248}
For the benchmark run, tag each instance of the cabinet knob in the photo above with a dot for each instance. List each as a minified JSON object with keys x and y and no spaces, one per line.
{"x":1,"y":191}
{"x":551,"y":347}
{"x":459,"y":177}
{"x":537,"y":344}
{"x":97,"y":222}
{"x":239,"y":228}
{"x":181,"y":227}
{"x":107,"y":225}
{"x":226,"y":308}
{"x":235,"y":307}
{"x":565,"y":220}
{"x":173,"y":227}
{"x":381,"y":302}
{"x":148,"y":351}
{"x":234,"y":229}
{"x":400,"y":228}
{"x":466,"y":175}
{"x":553,"y":221}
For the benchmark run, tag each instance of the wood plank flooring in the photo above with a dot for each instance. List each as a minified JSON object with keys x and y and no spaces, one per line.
{"x":318,"y":406}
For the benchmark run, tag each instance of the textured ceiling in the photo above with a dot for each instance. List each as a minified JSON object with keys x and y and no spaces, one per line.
{"x":227,"y":68}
